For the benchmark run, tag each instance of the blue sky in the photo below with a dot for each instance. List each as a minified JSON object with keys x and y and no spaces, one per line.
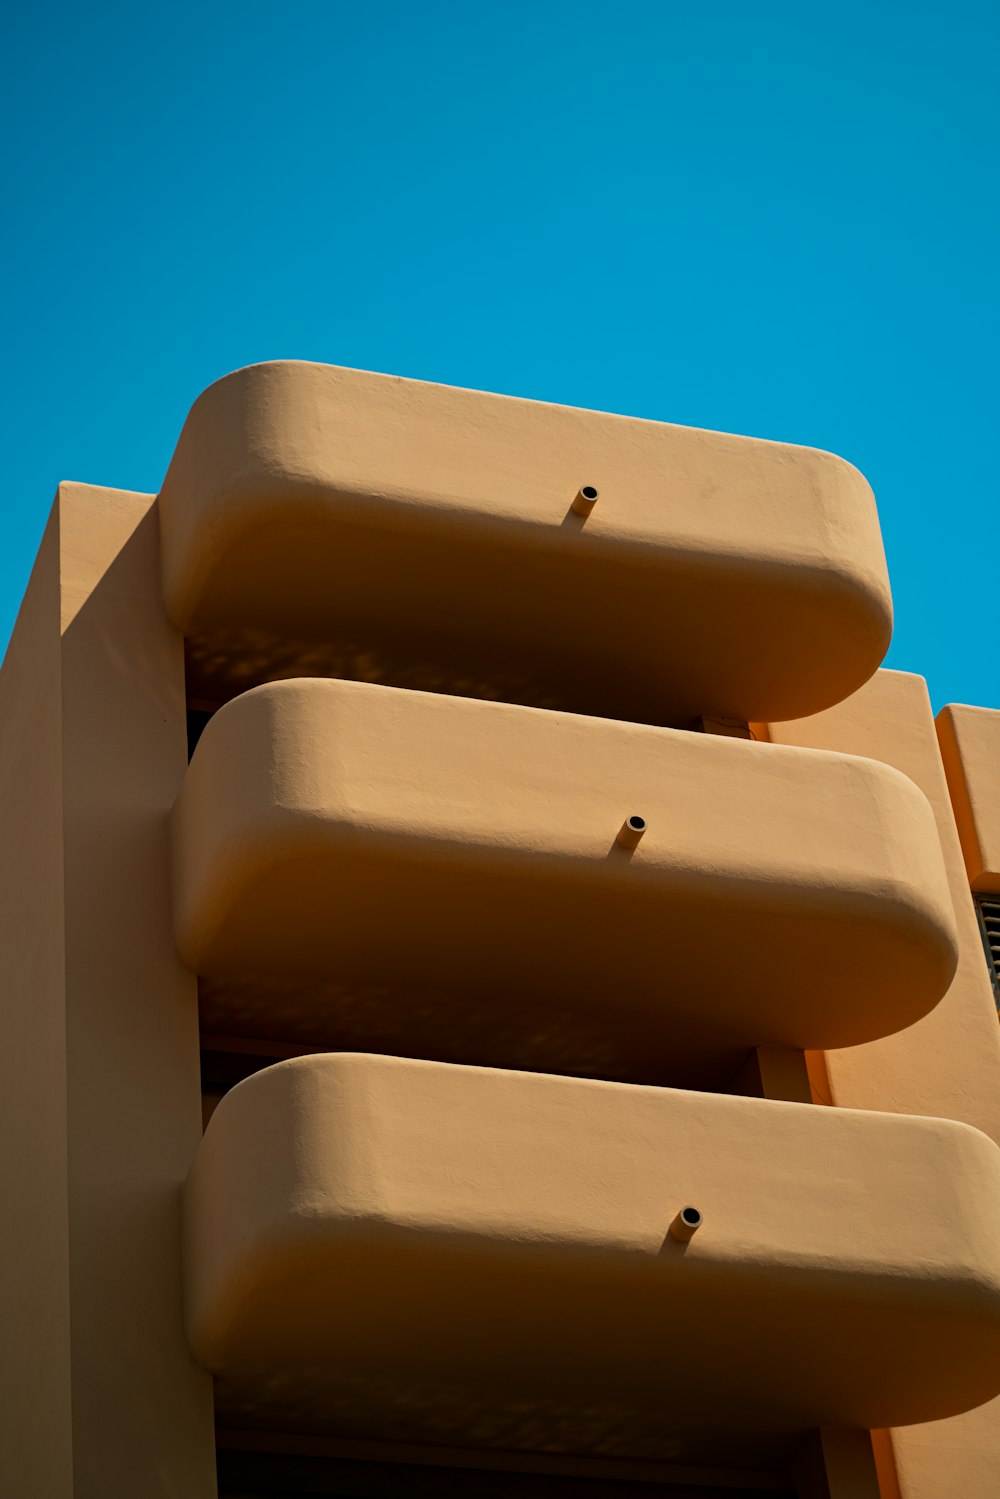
{"x":778,"y":219}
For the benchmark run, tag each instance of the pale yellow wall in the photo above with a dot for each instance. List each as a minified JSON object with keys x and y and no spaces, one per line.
{"x":946,"y":1064}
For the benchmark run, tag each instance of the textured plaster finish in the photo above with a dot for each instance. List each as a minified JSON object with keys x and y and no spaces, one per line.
{"x":716,"y":574}
{"x":36,"y":1438}
{"x":334,"y":827}
{"x":970,"y":749}
{"x":946,"y":1064}
{"x":388,"y":530}
{"x":113,"y":1121}
{"x":375,"y":1227}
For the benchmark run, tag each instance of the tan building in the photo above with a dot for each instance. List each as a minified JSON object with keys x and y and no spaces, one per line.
{"x":574,"y":940}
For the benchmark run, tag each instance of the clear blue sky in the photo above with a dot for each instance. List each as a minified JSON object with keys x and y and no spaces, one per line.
{"x":776,"y":218}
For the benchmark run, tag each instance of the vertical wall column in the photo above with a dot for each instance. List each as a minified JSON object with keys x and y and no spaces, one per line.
{"x":142,"y":1410}
{"x":36,"y":1440}
{"x":110,"y":1117}
{"x":948,"y":1064}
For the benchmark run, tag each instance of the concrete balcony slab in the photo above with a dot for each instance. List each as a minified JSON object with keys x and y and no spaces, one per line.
{"x":468,"y":858}
{"x":411,"y":1251}
{"x":426,"y":536}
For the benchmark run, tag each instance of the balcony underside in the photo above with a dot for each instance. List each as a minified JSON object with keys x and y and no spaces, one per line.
{"x":425,"y":862}
{"x":407,"y":1251}
{"x":422,"y":535}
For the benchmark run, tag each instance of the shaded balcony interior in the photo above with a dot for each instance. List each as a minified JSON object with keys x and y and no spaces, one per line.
{"x":255,"y":1466}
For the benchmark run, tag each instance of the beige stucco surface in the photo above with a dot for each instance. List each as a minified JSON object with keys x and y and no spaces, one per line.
{"x":970,"y":749}
{"x":376,"y":1228}
{"x":358,"y":831}
{"x":36,"y":1436}
{"x":948,"y":1063}
{"x":417,"y":522}
{"x":379,"y":1249}
{"x":103,"y":1075}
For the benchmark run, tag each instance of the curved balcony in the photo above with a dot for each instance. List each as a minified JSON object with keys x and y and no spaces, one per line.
{"x":425,"y":536}
{"x":409,"y":1250}
{"x":469,"y":863}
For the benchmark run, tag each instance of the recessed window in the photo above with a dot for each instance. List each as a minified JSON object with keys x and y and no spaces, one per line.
{"x":988,"y":910}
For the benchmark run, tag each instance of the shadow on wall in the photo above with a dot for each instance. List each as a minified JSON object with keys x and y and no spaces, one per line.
{"x":226,"y":664}
{"x":324,"y":1014}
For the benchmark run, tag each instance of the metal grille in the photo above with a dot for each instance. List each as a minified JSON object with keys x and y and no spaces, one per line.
{"x":988,"y":910}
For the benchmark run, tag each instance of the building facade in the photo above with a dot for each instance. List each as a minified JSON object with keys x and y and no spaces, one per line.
{"x":501,"y":984}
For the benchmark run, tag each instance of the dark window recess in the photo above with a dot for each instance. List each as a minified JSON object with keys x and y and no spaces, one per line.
{"x":197,"y":718}
{"x":988,"y":911}
{"x":245,"y":1475}
{"x":222,"y":1070}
